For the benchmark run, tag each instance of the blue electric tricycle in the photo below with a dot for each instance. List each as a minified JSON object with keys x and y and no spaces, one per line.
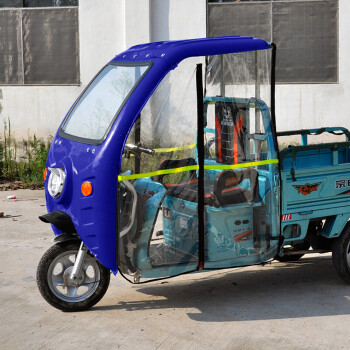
{"x":168,"y":163}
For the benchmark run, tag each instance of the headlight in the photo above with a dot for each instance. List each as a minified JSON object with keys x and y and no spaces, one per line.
{"x":56,"y":182}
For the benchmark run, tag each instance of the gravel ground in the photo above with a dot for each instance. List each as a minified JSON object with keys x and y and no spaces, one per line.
{"x":302,"y":305}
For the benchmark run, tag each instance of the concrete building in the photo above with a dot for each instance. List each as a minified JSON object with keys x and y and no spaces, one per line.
{"x":106,"y":27}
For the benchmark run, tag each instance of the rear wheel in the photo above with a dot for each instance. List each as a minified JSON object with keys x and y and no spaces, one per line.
{"x":59,"y":290}
{"x":341,"y":255}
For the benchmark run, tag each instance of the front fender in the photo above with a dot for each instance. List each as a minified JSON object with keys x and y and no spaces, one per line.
{"x":65,"y":237}
{"x":60,"y":220}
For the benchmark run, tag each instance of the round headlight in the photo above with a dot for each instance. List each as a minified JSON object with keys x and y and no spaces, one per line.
{"x":56,"y":182}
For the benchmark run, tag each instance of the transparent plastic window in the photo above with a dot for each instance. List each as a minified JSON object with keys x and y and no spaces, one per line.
{"x":158,"y":194}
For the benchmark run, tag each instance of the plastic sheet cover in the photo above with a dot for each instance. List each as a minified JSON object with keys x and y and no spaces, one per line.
{"x":11,"y":51}
{"x":246,"y":19}
{"x":50,"y":3}
{"x":39,"y":46}
{"x":11,"y":3}
{"x":242,"y":212}
{"x":158,"y":224}
{"x":305,"y":32}
{"x":38,"y":3}
{"x":158,"y":185}
{"x":51,"y":46}
{"x":307,"y":42}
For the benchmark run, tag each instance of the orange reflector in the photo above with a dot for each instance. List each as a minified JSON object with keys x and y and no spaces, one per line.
{"x":45,"y":174}
{"x":86,"y":188}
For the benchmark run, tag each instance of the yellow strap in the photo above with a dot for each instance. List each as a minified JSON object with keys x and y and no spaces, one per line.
{"x":239,"y":166}
{"x":158,"y":172}
{"x":173,"y":149}
{"x":196,"y":167}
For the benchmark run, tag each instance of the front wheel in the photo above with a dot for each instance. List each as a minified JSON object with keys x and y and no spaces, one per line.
{"x":59,"y":290}
{"x":341,"y":255}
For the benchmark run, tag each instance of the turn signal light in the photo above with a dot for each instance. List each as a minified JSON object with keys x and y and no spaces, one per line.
{"x":45,"y":174}
{"x":86,"y":188}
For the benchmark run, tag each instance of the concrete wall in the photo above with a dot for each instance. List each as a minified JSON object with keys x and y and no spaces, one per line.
{"x":178,"y":19}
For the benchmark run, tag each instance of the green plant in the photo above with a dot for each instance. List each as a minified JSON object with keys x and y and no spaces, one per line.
{"x":1,"y":157}
{"x":32,"y":164}
{"x":9,"y":169}
{"x":29,"y":166}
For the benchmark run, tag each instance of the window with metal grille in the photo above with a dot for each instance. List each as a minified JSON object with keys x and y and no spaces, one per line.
{"x":38,"y":3}
{"x":39,"y":46}
{"x":305,"y":32}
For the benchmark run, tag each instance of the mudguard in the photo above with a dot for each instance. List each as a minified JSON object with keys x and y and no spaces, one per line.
{"x":60,"y":220}
{"x":64,"y":237}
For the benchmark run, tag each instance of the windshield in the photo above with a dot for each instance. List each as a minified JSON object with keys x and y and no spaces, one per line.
{"x":97,"y":108}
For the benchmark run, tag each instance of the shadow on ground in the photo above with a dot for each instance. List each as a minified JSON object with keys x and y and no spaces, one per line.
{"x":307,"y":288}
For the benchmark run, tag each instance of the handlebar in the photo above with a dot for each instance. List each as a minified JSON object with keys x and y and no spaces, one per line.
{"x":136,"y":150}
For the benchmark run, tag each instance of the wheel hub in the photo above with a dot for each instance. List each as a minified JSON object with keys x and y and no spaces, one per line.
{"x":72,"y":282}
{"x":73,"y":290}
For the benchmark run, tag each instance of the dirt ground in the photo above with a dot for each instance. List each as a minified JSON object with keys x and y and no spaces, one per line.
{"x":302,"y":305}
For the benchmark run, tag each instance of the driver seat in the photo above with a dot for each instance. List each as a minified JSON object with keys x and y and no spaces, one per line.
{"x":223,"y":191}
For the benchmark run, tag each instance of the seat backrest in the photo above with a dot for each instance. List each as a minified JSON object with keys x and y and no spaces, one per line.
{"x":174,"y":163}
{"x":227,"y":192}
{"x":230,"y":132}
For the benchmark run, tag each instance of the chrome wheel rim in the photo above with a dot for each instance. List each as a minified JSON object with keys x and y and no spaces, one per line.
{"x":66,"y":289}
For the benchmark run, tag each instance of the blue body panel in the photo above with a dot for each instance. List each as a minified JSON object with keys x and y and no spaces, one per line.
{"x":316,"y":185}
{"x":94,"y":217}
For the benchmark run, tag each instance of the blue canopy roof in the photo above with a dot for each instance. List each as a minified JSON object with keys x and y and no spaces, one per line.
{"x":176,"y":51}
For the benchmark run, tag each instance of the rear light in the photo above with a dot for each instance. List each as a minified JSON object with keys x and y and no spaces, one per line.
{"x":45,"y":174}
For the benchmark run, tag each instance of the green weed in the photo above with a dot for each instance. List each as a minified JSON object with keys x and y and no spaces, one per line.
{"x":22,"y":160}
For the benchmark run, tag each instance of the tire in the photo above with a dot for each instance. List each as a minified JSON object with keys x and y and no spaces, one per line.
{"x":57,"y":262}
{"x":341,"y":255}
{"x":295,"y":257}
